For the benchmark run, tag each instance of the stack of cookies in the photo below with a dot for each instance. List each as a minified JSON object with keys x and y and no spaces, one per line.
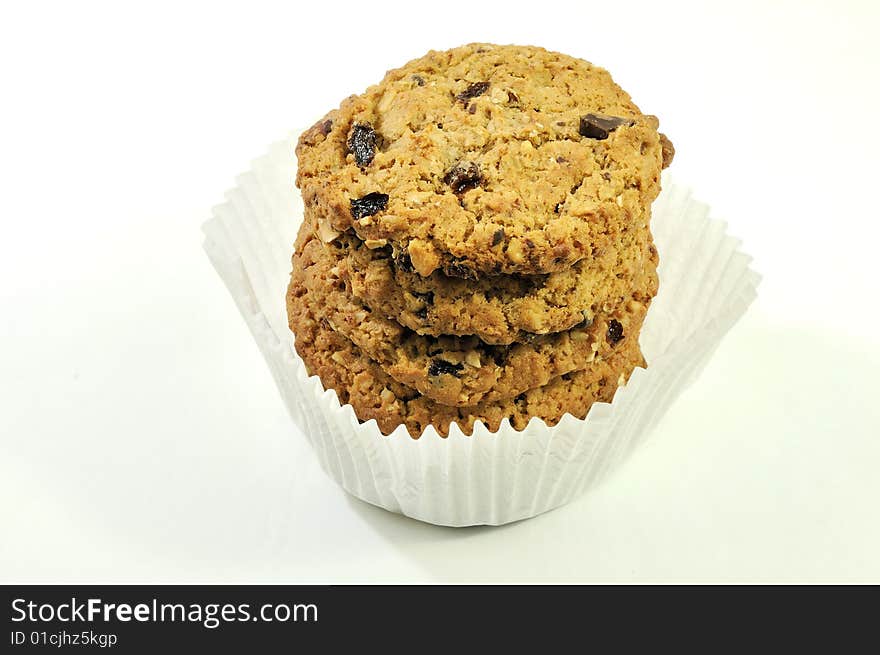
{"x":476,"y":240}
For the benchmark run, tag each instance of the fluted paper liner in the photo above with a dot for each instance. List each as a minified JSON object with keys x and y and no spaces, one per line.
{"x":487,"y":478}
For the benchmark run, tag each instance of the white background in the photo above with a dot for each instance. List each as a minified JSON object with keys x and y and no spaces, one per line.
{"x":141,"y":436}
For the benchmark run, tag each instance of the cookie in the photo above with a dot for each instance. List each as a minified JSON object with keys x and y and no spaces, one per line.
{"x":373,"y":394}
{"x":485,"y":160}
{"x":450,"y":370}
{"x":499,"y":310}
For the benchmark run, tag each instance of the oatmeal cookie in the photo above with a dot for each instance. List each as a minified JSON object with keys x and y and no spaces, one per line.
{"x":499,"y":310}
{"x":485,"y":160}
{"x":450,"y":370}
{"x":373,"y":394}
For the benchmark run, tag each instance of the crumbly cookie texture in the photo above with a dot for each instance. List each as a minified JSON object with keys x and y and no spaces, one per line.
{"x":485,"y":160}
{"x":451,"y":370}
{"x":373,"y":394}
{"x":499,"y":310}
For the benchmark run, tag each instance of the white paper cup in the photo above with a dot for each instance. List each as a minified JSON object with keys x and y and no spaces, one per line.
{"x":488,"y":478}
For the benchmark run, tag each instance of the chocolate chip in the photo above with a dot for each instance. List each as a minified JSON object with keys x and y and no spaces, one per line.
{"x":456,"y":269}
{"x":418,"y":79}
{"x":362,"y":142}
{"x":442,"y":367}
{"x":368,"y":205}
{"x":615,"y":332}
{"x":474,"y":90}
{"x":596,"y":126}
{"x":561,"y":160}
{"x":326,"y":126}
{"x":439,"y":126}
{"x":472,"y":108}
{"x":464,"y":176}
{"x":512,"y":97}
{"x":403,"y":262}
{"x":498,"y":237}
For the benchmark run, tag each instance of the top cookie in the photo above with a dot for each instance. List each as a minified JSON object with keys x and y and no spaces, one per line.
{"x":485,"y":160}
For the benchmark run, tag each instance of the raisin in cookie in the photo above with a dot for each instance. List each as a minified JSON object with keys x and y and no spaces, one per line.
{"x":485,"y":160}
{"x":361,"y":382}
{"x":449,"y":370}
{"x":499,"y":310}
